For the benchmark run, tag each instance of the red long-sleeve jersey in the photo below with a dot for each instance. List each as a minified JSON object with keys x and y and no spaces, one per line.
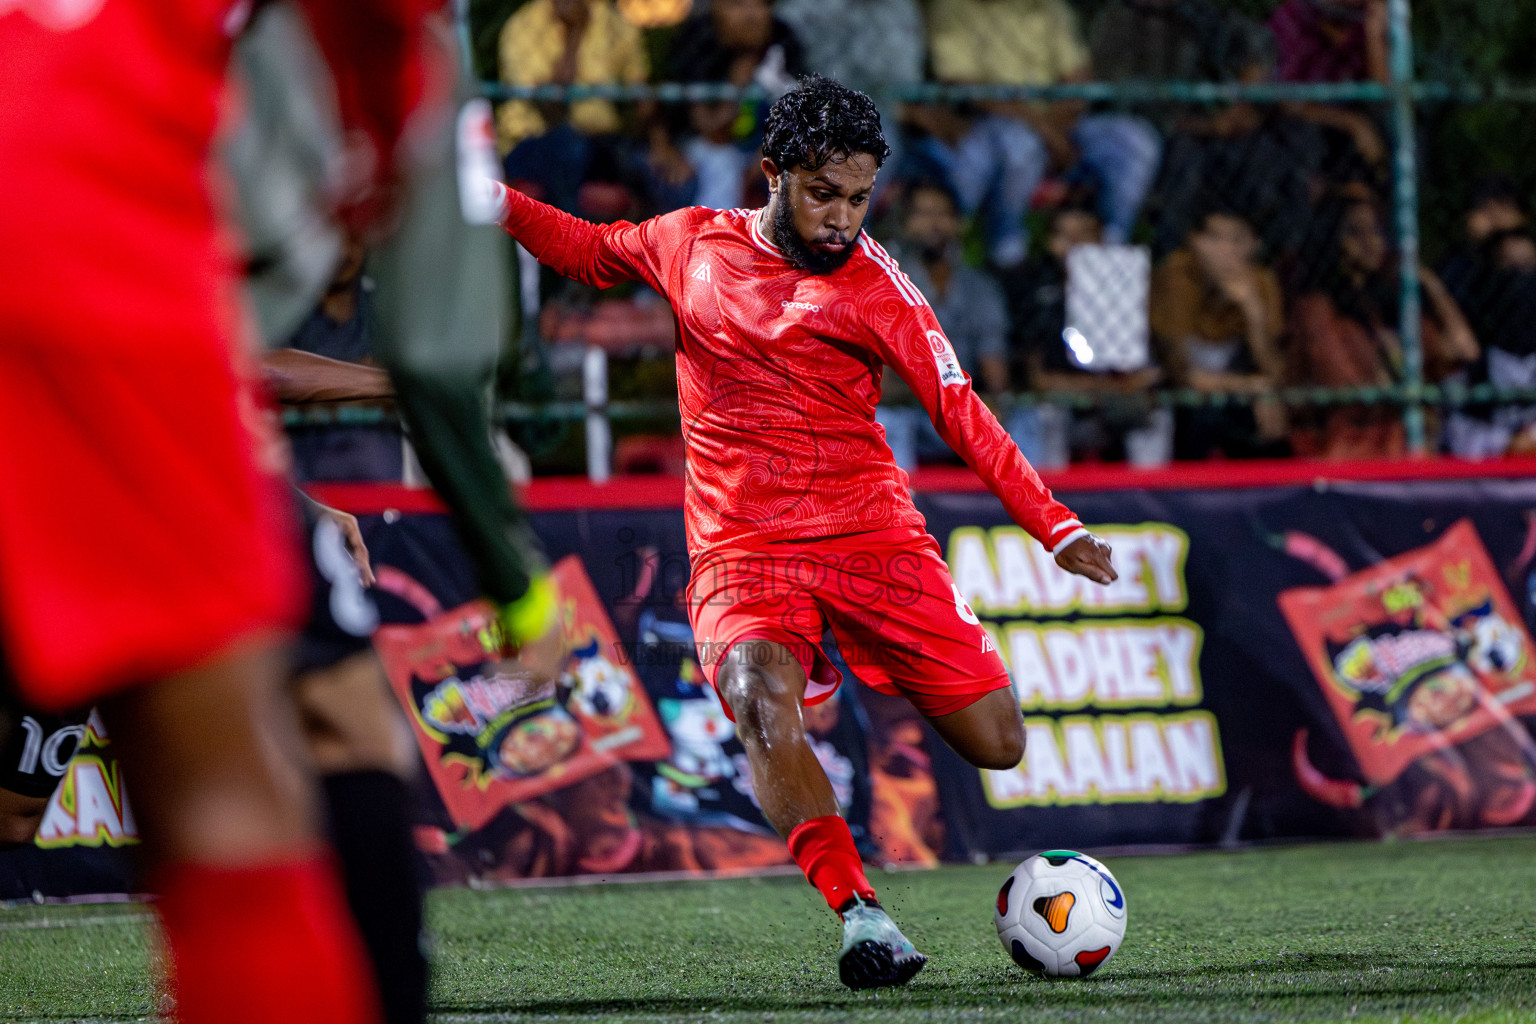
{"x":778,"y":376}
{"x":141,"y":528}
{"x":106,"y":136}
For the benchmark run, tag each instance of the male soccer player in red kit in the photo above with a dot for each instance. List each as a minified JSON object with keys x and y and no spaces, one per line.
{"x":798,"y":518}
{"x":146,"y":558}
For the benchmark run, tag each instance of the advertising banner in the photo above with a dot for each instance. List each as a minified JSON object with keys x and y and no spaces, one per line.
{"x":1418,"y":653}
{"x":629,"y":764}
{"x":488,"y":741}
{"x":1349,"y":659}
{"x":1274,"y":662}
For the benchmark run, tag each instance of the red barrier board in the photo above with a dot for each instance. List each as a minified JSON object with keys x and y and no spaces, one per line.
{"x":571,"y":494}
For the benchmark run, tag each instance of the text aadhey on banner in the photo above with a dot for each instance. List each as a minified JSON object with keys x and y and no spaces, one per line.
{"x":1116,"y":668}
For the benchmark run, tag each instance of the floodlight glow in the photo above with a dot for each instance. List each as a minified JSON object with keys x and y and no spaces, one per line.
{"x":1081,"y":351}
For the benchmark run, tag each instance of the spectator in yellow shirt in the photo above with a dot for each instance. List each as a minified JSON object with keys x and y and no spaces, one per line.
{"x":563,"y":42}
{"x":996,"y":153}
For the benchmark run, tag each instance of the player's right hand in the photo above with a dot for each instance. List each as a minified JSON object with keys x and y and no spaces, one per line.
{"x":1088,"y":556}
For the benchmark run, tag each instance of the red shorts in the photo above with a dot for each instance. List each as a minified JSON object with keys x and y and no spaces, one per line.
{"x":899,"y":621}
{"x":143,"y":529}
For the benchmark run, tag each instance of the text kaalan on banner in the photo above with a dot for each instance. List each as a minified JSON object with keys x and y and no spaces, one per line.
{"x":1074,"y":648}
{"x":490,"y":741}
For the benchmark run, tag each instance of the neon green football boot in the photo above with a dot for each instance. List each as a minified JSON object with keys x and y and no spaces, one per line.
{"x":875,"y":954}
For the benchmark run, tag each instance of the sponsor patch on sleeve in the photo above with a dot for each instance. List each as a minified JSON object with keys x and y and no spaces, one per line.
{"x":945,"y":360}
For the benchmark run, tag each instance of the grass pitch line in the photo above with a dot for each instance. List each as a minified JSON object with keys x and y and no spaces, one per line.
{"x":139,"y":919}
{"x":1368,"y":933}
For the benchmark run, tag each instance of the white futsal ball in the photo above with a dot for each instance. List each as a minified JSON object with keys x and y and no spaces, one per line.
{"x":1060,"y":915}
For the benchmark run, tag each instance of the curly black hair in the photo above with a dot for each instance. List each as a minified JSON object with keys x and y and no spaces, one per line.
{"x":820,"y":120}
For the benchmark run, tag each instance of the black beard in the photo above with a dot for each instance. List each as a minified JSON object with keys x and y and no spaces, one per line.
{"x":781,"y":228}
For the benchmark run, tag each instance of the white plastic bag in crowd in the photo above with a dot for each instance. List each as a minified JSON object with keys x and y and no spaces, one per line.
{"x":1107,"y":314}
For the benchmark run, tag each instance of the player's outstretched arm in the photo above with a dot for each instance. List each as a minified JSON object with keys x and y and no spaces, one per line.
{"x":299,"y":377}
{"x":907,"y":336}
{"x":601,"y":255}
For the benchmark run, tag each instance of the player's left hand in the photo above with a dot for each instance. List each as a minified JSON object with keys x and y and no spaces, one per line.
{"x":353,"y":536}
{"x":1088,"y":556}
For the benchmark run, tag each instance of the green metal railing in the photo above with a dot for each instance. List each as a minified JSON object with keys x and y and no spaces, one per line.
{"x":1125,"y":92}
{"x":1448,"y":396}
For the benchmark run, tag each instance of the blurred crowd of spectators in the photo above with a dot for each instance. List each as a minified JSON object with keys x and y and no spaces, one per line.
{"x":1267,"y":248}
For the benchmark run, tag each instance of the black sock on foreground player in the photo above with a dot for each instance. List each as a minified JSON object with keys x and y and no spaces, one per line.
{"x":368,"y":815}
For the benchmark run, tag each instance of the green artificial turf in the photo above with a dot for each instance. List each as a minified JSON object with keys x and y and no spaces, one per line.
{"x":1437,"y":931}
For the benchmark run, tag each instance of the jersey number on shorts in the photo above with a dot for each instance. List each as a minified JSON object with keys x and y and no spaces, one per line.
{"x":963,"y":609}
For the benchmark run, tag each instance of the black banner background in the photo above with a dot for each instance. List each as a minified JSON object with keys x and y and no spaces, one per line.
{"x":1245,"y":547}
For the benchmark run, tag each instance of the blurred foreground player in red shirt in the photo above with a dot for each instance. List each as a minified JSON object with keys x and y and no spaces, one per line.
{"x":147,"y":556}
{"x":798,"y":518}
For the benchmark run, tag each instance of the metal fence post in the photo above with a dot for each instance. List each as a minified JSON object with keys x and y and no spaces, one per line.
{"x":1405,"y":202}
{"x":594,"y":378}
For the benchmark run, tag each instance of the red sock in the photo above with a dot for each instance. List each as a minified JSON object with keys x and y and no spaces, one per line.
{"x":823,"y":847}
{"x":259,"y":945}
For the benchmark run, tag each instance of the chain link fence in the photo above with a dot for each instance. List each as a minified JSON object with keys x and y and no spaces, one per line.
{"x":1154,"y":229}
